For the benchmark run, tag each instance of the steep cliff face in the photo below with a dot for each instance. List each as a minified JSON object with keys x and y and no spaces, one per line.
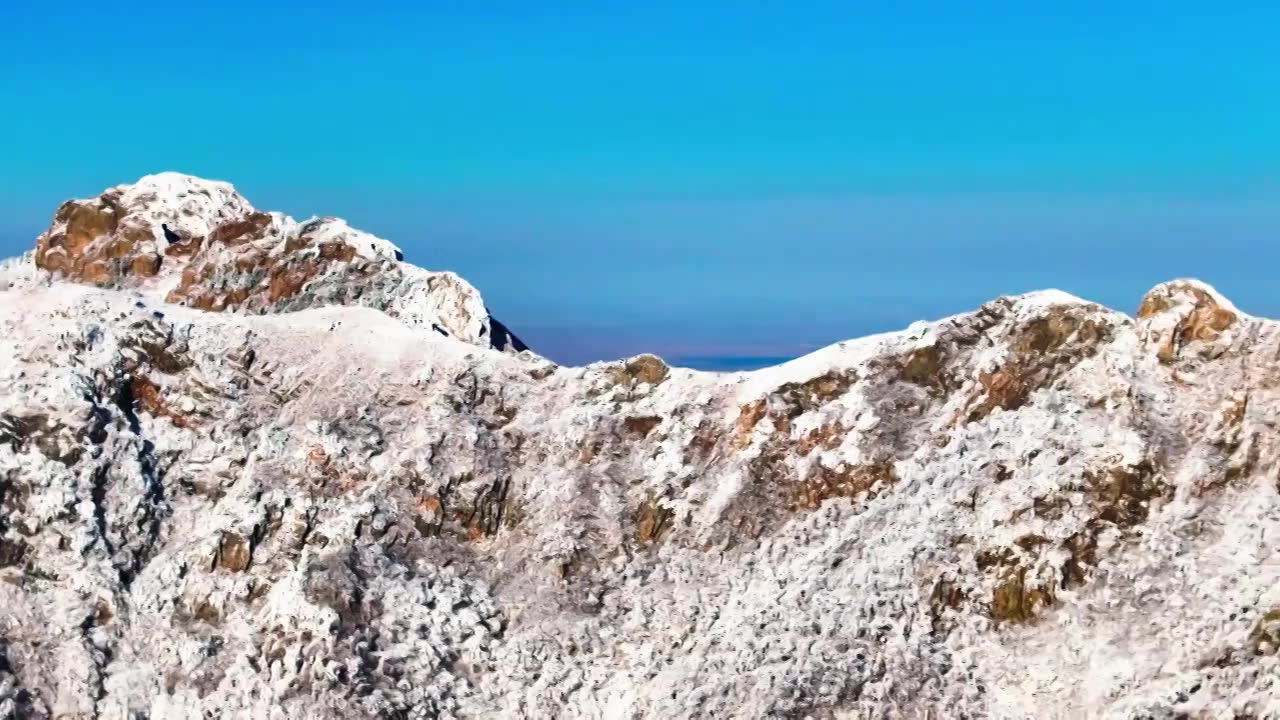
{"x":1043,"y":508}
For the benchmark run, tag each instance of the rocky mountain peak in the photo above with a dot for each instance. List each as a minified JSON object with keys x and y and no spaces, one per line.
{"x":117,"y":239}
{"x":201,"y":244}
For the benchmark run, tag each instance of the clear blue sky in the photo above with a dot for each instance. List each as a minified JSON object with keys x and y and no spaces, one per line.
{"x":726,"y":179}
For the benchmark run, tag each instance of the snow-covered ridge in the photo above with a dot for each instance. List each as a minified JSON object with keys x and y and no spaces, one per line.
{"x":1040,"y":508}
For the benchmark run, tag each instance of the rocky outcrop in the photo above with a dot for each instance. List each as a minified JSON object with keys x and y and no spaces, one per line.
{"x":1043,"y":508}
{"x":201,"y":244}
{"x":116,"y":240}
{"x":1186,"y":313}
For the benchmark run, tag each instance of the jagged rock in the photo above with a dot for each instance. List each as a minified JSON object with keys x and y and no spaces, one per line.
{"x":115,"y":239}
{"x":1185,"y":312}
{"x":1265,"y":638}
{"x":234,"y":553}
{"x":311,"y":502}
{"x":644,"y":369}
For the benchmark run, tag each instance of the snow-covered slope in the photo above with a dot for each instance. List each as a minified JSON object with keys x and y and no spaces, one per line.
{"x":1043,"y":508}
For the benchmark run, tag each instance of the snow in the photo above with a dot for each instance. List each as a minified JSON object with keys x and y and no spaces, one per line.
{"x":331,"y":229}
{"x":1218,"y":298}
{"x":194,"y":206}
{"x":438,"y":529}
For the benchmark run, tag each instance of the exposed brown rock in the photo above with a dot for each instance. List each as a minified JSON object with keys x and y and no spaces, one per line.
{"x":642,"y":426}
{"x":1122,"y":495}
{"x":296,"y":243}
{"x":88,"y":221}
{"x":150,"y":400}
{"x":705,"y":438}
{"x":652,"y":520}
{"x":94,"y":242}
{"x":927,"y":367}
{"x":923,"y":366}
{"x":647,"y":369}
{"x":1030,"y":542}
{"x":1233,"y":414}
{"x":846,"y":481}
{"x":234,"y":552}
{"x":1082,"y":548}
{"x":748,"y":416}
{"x":1045,"y":508}
{"x":946,"y":596}
{"x":238,"y":232}
{"x":338,"y":251}
{"x":85,"y":222}
{"x":260,"y":280}
{"x":585,"y":489}
{"x":502,"y":417}
{"x":1016,"y":600}
{"x":102,"y":613}
{"x":45,"y":435}
{"x":1006,"y":388}
{"x":765,"y":498}
{"x":317,"y":456}
{"x":206,"y":612}
{"x":145,"y":265}
{"x":589,"y":450}
{"x":800,"y":398}
{"x":827,"y":436}
{"x":1265,"y":638}
{"x":234,"y":269}
{"x":12,"y":552}
{"x":543,"y":372}
{"x":185,"y":249}
{"x":1203,"y":321}
{"x":1118,"y":497}
{"x":1040,"y":352}
{"x":1059,"y":326}
{"x":162,"y":352}
{"x":1016,"y":597}
{"x":995,"y":557}
{"x":485,"y":515}
{"x":288,"y":280}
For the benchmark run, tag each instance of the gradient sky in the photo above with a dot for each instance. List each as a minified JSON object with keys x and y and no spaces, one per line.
{"x":736,"y":179}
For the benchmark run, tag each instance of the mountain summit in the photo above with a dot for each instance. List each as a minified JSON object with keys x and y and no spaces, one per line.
{"x":199,"y":243}
{"x":261,"y":468}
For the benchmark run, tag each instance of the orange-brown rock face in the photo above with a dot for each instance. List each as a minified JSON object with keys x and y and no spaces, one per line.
{"x":89,"y":243}
{"x":1039,"y":352}
{"x":228,"y":255}
{"x":117,"y":239}
{"x":255,"y":264}
{"x":1195,"y":317}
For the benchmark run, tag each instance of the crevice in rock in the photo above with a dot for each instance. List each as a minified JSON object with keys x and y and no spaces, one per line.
{"x":17,"y":701}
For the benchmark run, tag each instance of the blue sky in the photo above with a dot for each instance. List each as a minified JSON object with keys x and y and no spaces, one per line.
{"x":731,"y":179}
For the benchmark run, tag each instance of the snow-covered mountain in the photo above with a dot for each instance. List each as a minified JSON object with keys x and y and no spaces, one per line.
{"x":179,"y":239}
{"x":252,"y":467}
